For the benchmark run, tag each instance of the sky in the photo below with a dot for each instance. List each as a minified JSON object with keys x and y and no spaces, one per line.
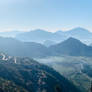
{"x":50,"y":15}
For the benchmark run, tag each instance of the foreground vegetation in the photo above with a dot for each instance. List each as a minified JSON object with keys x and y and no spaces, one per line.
{"x":27,"y":75}
{"x":76,"y":69}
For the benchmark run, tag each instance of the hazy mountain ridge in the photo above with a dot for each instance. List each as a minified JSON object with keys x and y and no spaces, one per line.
{"x":42,"y":35}
{"x":39,"y":36}
{"x":79,"y":33}
{"x":71,"y":46}
{"x":15,"y":47}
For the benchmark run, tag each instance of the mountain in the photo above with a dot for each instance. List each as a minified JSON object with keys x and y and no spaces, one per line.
{"x":36,"y":50}
{"x":72,"y":47}
{"x":39,"y":36}
{"x":78,"y":33}
{"x":48,"y":43}
{"x":14,"y":47}
{"x":17,"y":73}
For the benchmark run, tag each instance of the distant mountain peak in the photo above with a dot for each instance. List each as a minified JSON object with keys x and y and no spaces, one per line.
{"x":79,"y":29}
{"x":72,"y":39}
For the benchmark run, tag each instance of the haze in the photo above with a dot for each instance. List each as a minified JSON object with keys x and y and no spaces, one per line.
{"x":51,"y":15}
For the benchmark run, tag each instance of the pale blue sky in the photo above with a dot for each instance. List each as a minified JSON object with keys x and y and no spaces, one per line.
{"x":51,"y":15}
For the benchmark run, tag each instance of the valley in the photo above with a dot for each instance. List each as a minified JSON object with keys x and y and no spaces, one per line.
{"x":72,"y":67}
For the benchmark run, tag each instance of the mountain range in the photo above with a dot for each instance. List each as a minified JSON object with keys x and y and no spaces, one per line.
{"x":20,"y":73}
{"x":71,"y":46}
{"x":78,"y":32}
{"x":41,"y":35}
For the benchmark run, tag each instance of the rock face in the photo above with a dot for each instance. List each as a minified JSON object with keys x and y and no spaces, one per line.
{"x":27,"y":75}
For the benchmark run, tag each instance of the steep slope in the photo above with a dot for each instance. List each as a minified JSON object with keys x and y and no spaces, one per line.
{"x":72,"y":47}
{"x":32,"y":76}
{"x":77,"y":69}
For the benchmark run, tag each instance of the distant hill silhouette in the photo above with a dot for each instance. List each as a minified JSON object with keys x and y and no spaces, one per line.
{"x":39,"y":36}
{"x":78,"y":33}
{"x":14,"y":47}
{"x":71,"y":47}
